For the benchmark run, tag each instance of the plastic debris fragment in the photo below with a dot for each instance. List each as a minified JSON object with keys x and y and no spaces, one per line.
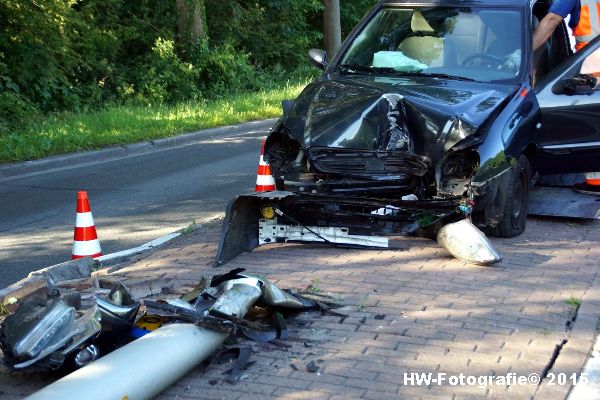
{"x":464,"y":241}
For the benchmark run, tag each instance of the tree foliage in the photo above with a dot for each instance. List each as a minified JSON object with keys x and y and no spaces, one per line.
{"x":58,"y":55}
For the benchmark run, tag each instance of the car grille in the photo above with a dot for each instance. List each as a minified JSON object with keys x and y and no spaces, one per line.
{"x":368,"y":163}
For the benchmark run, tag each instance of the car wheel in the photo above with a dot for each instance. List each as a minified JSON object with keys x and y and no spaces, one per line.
{"x":516,"y":200}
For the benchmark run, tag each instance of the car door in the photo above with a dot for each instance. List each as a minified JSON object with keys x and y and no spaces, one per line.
{"x":568,"y":139}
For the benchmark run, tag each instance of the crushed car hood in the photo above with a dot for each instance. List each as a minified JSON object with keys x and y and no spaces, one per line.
{"x":421,"y":115}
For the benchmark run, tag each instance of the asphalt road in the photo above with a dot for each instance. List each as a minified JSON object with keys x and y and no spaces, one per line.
{"x":134,"y":199}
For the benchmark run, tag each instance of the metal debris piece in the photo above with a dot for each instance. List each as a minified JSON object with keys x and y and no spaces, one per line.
{"x":312,"y":367}
{"x":118,"y":311}
{"x":156,"y":360}
{"x":229,"y":303}
{"x":343,"y":220}
{"x":239,"y":357}
{"x":181,"y":303}
{"x":273,"y":296}
{"x":88,"y":327}
{"x":467,"y":243}
{"x":199,"y":288}
{"x":231,"y":275}
{"x":195,"y":329}
{"x":280,"y":325}
{"x":269,"y":231}
{"x":88,"y":355}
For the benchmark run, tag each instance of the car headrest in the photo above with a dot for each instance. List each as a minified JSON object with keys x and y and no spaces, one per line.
{"x":419,"y":24}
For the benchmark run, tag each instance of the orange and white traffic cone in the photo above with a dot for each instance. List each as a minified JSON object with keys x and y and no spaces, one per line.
{"x":264,"y":179}
{"x":591,"y":185}
{"x":85,"y":240}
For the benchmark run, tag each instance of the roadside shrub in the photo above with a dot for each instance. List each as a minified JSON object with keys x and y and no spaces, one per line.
{"x":272,"y":32}
{"x":205,"y":73}
{"x":352,"y":12}
{"x":222,"y":69}
{"x":167,"y":78}
{"x":15,"y":111}
{"x":81,"y":55}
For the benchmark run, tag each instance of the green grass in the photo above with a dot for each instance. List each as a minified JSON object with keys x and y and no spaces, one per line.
{"x":190,"y":228}
{"x":362,"y":303}
{"x":573,"y":302}
{"x":314,"y":286}
{"x":117,"y":125}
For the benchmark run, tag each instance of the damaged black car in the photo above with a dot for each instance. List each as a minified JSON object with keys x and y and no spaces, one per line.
{"x":430,"y":113}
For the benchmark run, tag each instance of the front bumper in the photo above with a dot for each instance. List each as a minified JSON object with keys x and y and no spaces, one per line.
{"x":358,"y":215}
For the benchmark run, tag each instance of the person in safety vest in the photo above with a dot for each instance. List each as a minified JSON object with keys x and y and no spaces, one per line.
{"x":585,"y":21}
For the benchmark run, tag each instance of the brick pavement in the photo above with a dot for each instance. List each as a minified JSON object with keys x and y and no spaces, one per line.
{"x":441,"y":315}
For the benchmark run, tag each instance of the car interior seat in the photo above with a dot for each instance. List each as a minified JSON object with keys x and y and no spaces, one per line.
{"x":501,"y":47}
{"x":423,"y":45}
{"x":504,"y":46}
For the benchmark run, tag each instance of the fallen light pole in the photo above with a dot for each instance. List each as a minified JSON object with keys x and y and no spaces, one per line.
{"x":149,"y":365}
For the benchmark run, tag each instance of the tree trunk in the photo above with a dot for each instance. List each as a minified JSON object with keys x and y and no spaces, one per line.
{"x":190,"y":27}
{"x":332,"y":29}
{"x":198,"y":28}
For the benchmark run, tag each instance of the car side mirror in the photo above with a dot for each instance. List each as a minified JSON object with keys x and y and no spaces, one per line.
{"x":579,"y":84}
{"x":318,"y":58}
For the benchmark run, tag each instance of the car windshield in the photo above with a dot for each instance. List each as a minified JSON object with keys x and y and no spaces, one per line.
{"x":480,"y":44}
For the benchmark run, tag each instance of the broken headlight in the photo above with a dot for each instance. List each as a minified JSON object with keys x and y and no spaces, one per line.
{"x":457,"y":130}
{"x":454,"y":172}
{"x":50,"y":333}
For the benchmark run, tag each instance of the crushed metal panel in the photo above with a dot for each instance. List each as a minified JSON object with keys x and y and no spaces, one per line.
{"x":563,"y":202}
{"x":343,"y":220}
{"x":240,"y":227}
{"x":272,"y":232}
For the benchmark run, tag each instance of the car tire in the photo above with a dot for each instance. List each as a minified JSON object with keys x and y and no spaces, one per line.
{"x":516,"y":192}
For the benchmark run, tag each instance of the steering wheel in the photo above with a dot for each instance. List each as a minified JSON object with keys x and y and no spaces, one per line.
{"x":497,"y":61}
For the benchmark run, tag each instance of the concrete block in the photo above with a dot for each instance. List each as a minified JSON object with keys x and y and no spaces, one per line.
{"x":70,"y":270}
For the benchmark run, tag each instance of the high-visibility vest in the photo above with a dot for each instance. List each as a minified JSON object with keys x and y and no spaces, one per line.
{"x":588,"y":26}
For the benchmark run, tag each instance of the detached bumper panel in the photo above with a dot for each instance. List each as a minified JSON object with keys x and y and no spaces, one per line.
{"x":339,"y":219}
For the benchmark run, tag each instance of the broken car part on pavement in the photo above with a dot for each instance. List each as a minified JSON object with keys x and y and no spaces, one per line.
{"x":50,"y":329}
{"x":159,"y":341}
{"x":279,"y":217}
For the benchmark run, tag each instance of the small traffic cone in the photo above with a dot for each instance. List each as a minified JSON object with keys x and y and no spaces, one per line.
{"x":591,"y":184}
{"x":85,"y":240}
{"x":264,"y":179}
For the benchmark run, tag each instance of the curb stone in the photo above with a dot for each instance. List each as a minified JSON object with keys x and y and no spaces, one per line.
{"x":88,"y":267}
{"x":53,"y":163}
{"x":69,"y":270}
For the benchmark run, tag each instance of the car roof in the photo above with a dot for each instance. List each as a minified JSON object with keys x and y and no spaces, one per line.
{"x":486,"y":3}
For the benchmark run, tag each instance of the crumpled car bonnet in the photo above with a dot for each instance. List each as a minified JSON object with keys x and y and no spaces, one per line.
{"x":374,"y":113}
